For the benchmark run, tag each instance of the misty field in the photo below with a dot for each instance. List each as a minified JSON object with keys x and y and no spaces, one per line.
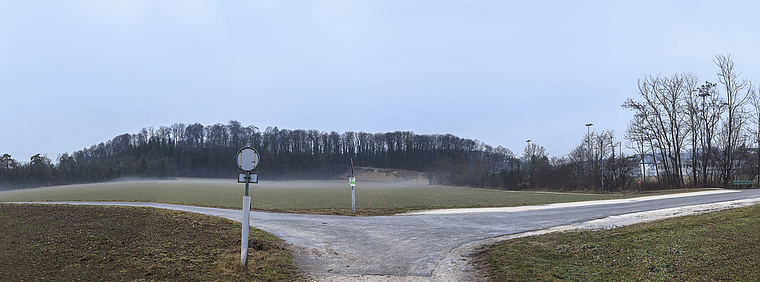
{"x":295,"y":195}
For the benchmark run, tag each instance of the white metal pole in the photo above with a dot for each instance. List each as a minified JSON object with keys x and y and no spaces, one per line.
{"x":247,"y":159}
{"x":246,"y":222}
{"x":353,"y":184}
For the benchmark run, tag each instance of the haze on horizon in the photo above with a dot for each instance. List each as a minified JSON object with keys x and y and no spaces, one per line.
{"x":77,"y":73}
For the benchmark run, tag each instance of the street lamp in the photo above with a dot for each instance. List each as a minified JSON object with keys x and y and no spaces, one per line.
{"x":588,"y":128}
{"x":588,"y":135}
{"x":588,"y":144}
{"x":530,"y":160}
{"x":588,"y":139}
{"x":704,"y":91}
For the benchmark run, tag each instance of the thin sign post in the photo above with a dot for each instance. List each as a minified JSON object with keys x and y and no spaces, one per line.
{"x":245,"y":221}
{"x":352,"y":182}
{"x":247,"y":160}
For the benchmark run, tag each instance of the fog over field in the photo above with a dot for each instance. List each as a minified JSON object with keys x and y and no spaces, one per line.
{"x":294,"y":195}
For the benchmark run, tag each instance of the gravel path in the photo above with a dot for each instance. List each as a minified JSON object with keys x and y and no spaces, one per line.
{"x":436,"y":245}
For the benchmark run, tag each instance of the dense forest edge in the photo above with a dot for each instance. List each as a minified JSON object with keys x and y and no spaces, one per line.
{"x":682,"y":134}
{"x":196,"y":150}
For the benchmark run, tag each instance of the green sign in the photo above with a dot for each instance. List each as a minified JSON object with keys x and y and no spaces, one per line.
{"x":352,"y":181}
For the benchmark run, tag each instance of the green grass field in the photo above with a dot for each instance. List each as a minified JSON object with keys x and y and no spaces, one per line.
{"x":333,"y":197}
{"x":720,"y":246}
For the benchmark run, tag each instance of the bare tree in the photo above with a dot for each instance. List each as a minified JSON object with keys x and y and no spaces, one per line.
{"x":164,"y":133}
{"x":737,"y":95}
{"x":535,"y":157}
{"x":711,"y":112}
{"x":178,"y":132}
{"x":194,"y":135}
{"x":589,"y":158}
{"x":693,"y":111}
{"x":639,"y":143}
{"x":603,"y":148}
{"x":662,"y":114}
{"x":235,"y":134}
{"x":755,"y":122}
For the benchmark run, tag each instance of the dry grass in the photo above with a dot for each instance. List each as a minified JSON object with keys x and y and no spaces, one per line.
{"x":97,"y":243}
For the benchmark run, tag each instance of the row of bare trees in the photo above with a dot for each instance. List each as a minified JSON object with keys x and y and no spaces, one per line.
{"x":600,"y":163}
{"x":694,"y":134}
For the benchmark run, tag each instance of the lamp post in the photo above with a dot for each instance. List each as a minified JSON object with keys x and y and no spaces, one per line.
{"x":588,"y":140}
{"x":588,"y":145}
{"x":530,"y":165}
{"x":704,"y":91}
{"x":601,"y":152}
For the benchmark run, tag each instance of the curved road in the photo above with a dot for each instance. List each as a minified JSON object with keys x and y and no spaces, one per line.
{"x":413,"y":245}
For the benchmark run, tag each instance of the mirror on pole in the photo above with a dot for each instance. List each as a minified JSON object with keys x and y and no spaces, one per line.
{"x":247,"y":159}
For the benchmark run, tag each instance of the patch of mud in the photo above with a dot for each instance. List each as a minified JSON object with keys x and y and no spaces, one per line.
{"x":386,"y":174}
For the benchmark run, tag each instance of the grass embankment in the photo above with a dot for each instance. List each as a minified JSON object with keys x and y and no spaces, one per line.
{"x":720,"y":246}
{"x":93,"y":243}
{"x":316,"y":197}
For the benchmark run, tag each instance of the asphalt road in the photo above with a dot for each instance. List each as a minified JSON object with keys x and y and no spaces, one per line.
{"x":412,"y":245}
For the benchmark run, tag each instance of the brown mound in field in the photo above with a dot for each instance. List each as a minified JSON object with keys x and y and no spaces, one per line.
{"x":386,"y":174}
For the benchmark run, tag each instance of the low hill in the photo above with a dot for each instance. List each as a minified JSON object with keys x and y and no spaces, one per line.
{"x":387,"y":174}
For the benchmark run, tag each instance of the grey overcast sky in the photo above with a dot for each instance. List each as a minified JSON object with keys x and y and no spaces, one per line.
{"x":77,"y":73}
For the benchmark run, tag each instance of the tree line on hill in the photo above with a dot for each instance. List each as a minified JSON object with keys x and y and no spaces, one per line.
{"x":196,"y":150}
